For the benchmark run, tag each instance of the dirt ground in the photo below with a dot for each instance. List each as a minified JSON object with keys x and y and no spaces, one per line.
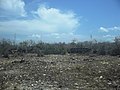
{"x":60,"y":72}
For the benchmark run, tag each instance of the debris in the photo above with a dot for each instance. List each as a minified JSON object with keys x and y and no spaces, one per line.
{"x":76,"y":84}
{"x":59,"y":72}
{"x":101,"y":77}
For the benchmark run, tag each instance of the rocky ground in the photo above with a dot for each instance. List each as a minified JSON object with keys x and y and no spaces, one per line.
{"x":60,"y":72}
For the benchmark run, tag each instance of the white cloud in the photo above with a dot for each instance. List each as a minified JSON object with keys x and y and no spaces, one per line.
{"x":112,"y":32}
{"x":104,"y":29}
{"x":65,"y":21}
{"x":12,"y":7}
{"x":36,"y":36}
{"x":115,"y":28}
{"x":108,"y":36}
{"x":48,"y":20}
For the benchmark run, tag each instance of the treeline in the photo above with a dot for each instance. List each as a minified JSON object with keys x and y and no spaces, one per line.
{"x":8,"y":47}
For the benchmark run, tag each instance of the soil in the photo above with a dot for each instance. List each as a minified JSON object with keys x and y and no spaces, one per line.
{"x":60,"y":72}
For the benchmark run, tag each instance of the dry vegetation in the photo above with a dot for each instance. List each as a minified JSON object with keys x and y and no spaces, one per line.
{"x":60,"y":72}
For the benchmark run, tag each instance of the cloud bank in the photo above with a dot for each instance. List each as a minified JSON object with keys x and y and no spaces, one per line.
{"x":12,"y":8}
{"x":46,"y":20}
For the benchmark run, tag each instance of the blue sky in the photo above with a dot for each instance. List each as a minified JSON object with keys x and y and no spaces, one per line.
{"x":59,"y":20}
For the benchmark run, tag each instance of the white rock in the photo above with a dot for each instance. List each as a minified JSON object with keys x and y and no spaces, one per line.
{"x":32,"y":85}
{"x":76,"y":84}
{"x":101,"y":77}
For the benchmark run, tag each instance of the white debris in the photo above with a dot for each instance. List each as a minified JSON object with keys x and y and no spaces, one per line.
{"x":44,"y":74}
{"x":76,"y":84}
{"x":32,"y":85}
{"x":101,"y":77}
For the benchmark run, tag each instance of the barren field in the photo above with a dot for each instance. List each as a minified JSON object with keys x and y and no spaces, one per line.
{"x":60,"y":72}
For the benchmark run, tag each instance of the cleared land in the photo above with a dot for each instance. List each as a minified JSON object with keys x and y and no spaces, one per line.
{"x":60,"y":72}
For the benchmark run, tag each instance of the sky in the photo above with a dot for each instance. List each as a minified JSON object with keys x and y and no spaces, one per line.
{"x":59,"y":20}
